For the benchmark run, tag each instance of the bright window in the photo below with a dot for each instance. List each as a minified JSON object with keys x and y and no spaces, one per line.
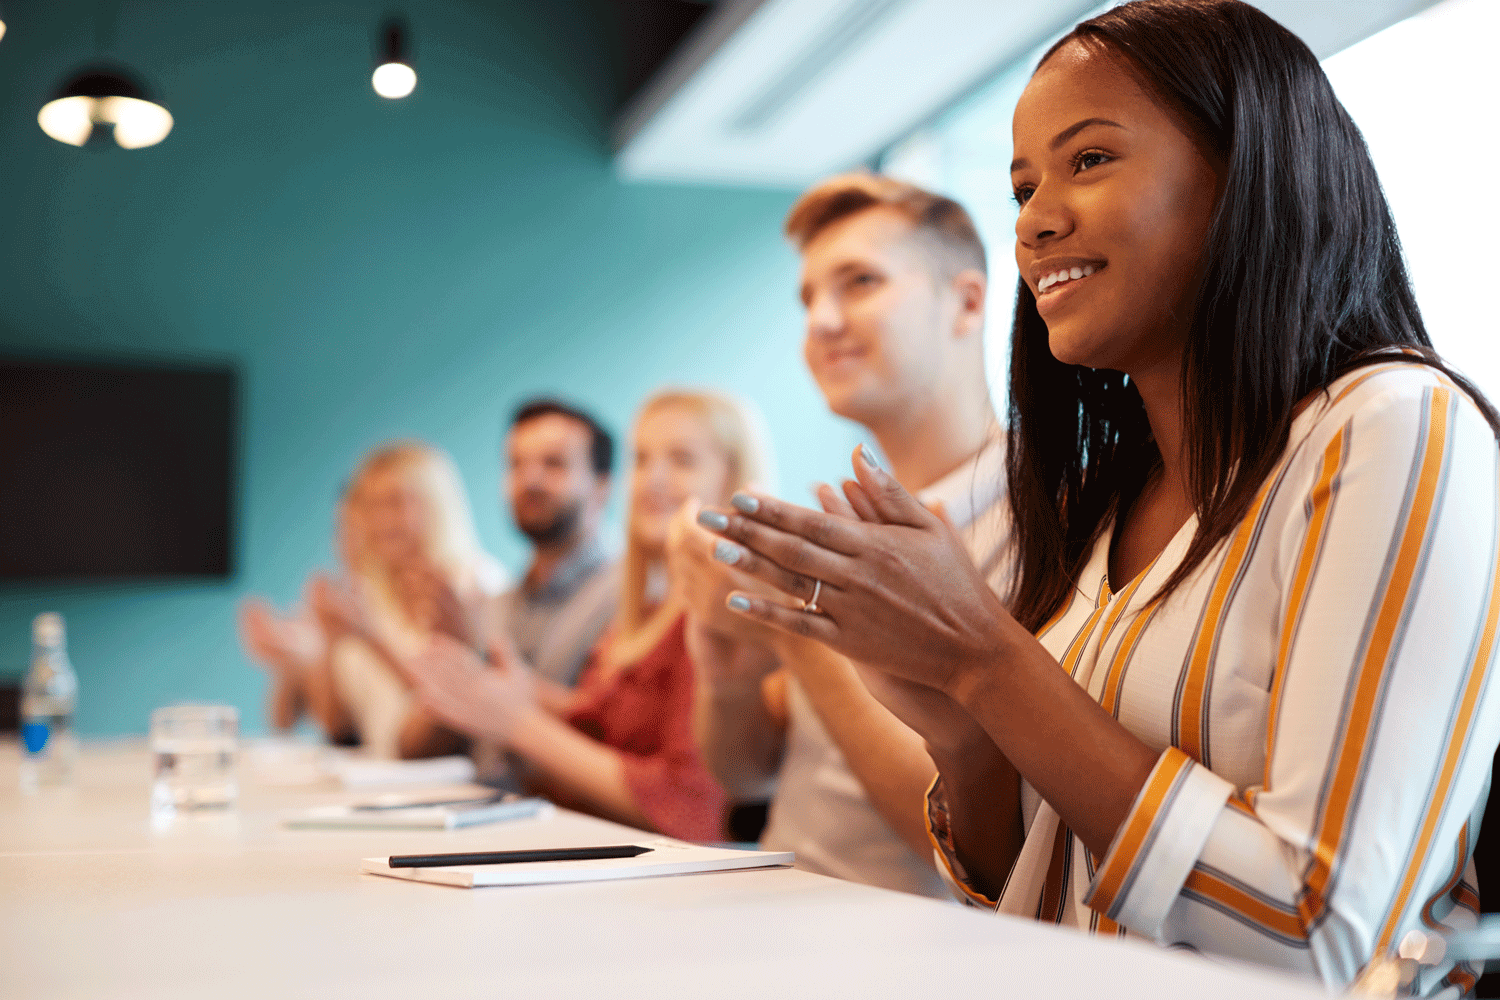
{"x":1422,"y":91}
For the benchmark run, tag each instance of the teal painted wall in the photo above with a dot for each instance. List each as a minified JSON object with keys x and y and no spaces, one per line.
{"x":376,"y":269}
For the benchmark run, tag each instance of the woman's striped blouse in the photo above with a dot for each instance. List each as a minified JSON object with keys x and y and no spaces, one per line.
{"x":1319,"y":691}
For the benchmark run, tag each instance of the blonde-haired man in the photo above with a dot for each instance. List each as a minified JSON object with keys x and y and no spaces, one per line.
{"x":893,"y":283}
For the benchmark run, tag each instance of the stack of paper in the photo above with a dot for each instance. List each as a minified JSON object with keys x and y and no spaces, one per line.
{"x":391,"y":812}
{"x":364,"y":772}
{"x":278,"y":762}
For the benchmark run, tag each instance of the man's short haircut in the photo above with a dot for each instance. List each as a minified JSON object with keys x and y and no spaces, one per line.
{"x":601,"y":445}
{"x":940,"y":222}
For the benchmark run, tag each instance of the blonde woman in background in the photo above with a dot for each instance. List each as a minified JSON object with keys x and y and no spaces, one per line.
{"x":293,"y":647}
{"x":418,"y":570}
{"x":620,"y":745}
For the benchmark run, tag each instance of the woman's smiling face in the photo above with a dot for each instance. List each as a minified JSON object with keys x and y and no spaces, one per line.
{"x":1116,"y":201}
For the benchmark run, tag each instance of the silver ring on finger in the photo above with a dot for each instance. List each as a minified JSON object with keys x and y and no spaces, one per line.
{"x":811,"y":604}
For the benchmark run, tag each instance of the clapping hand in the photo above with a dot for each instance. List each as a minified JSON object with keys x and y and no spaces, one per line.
{"x":263,"y":634}
{"x":704,"y":582}
{"x":288,"y":645}
{"x":436,"y":601}
{"x":338,"y":609}
{"x":895,"y":588}
{"x":936,"y":716}
{"x":467,"y":695}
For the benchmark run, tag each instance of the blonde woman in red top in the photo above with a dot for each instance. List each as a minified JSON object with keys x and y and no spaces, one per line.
{"x":620,"y":745}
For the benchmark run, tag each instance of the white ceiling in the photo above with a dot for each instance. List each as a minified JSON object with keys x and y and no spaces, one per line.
{"x":777,"y":93}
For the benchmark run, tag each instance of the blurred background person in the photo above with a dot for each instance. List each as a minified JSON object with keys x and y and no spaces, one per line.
{"x":621,"y":745}
{"x":420,"y":570}
{"x":559,"y":461}
{"x":293,"y":647}
{"x":557,"y":482}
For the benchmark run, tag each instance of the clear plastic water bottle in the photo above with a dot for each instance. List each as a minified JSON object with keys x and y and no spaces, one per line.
{"x":48,"y":698}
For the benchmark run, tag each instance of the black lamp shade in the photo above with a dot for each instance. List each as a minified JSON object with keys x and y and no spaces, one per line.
{"x":393,"y":42}
{"x":99,"y":82}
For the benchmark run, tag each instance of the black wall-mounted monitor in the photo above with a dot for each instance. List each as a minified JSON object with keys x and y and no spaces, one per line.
{"x":116,"y":470}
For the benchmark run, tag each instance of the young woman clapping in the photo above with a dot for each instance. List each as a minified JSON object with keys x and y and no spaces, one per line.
{"x":1235,"y":697}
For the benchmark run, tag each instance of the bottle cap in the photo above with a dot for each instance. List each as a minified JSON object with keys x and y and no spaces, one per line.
{"x":47,"y":629}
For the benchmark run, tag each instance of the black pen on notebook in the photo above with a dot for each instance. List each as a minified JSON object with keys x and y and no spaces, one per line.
{"x":517,"y":857}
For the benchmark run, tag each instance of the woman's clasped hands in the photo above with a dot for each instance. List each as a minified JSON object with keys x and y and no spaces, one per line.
{"x":894,"y":588}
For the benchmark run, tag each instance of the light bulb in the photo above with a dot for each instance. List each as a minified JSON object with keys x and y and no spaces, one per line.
{"x":394,"y":80}
{"x":68,"y":119}
{"x":2,"y":29}
{"x":137,"y":123}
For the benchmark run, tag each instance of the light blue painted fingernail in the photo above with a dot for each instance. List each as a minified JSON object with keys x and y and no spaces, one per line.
{"x":713,"y":520}
{"x":745,"y":503}
{"x":739,"y":603}
{"x":869,"y":457}
{"x":728,"y":552}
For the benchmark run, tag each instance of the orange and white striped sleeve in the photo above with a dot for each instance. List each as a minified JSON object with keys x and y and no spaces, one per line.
{"x":1381,"y":723}
{"x":944,"y":853}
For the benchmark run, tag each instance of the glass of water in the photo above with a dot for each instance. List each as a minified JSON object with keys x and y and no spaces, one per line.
{"x":194,"y":749}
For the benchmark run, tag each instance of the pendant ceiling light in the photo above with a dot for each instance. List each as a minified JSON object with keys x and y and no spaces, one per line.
{"x":104,"y":94}
{"x":108,"y":96}
{"x":394,"y":75}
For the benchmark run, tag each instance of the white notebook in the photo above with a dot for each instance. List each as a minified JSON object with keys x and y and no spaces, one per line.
{"x":392,"y":812}
{"x":666,"y":857}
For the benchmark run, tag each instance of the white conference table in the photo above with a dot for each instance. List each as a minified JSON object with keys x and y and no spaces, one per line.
{"x":97,"y":904}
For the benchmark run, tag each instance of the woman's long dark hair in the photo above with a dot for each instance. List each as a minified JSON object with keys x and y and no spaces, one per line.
{"x":1302,"y":280}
